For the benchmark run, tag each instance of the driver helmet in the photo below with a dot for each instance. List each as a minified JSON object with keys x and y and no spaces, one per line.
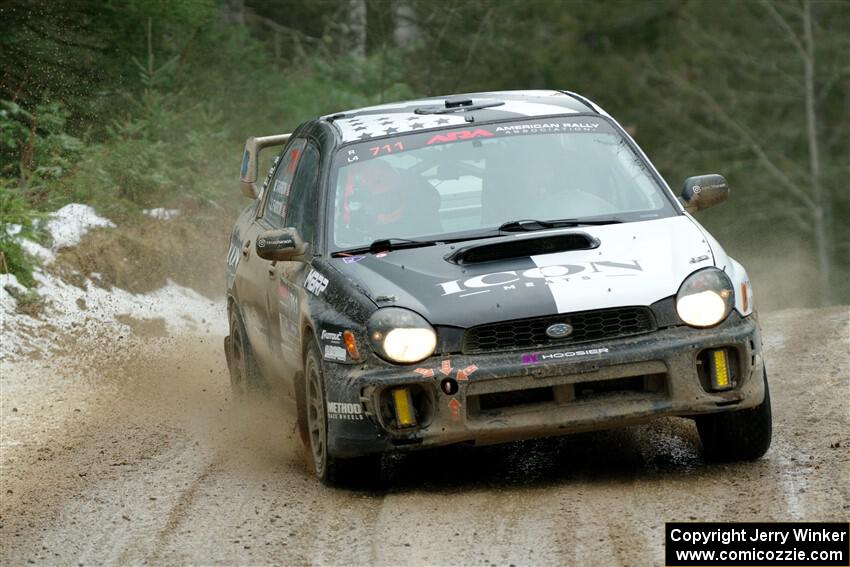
{"x":373,"y":194}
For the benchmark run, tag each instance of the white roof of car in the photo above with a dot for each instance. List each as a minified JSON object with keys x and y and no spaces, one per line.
{"x":401,"y":117}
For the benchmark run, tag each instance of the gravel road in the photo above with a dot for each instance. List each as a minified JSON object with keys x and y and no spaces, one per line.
{"x":129,"y":451}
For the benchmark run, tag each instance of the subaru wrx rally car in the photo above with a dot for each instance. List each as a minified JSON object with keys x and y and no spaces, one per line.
{"x":484,"y":268}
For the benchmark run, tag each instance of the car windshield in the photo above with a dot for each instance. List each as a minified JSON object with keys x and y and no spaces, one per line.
{"x":472,"y":180}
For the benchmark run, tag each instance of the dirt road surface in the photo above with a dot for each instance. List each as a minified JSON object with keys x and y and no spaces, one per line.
{"x":132,"y":453}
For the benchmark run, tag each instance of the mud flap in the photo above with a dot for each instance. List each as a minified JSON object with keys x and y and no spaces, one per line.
{"x":351,"y":433}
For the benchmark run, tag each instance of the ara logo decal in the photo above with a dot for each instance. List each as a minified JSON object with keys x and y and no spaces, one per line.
{"x":461,"y":135}
{"x":547,"y":275}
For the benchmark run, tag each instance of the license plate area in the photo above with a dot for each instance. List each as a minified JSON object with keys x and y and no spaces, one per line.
{"x":486,"y":399}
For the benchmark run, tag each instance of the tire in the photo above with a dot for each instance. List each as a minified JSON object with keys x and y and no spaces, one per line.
{"x":742,"y":435}
{"x":332,"y":471}
{"x":245,"y":376}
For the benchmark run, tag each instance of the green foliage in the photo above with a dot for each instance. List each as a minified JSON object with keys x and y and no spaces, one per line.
{"x":35,"y":147}
{"x":146,"y":103}
{"x":17,"y":220}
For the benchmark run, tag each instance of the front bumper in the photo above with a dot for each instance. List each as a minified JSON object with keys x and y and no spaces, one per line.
{"x":521,"y":395}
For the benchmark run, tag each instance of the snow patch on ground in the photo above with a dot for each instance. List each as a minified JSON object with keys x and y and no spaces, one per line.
{"x":11,"y":282}
{"x":162,"y":214}
{"x":70,"y":223}
{"x":70,"y":311}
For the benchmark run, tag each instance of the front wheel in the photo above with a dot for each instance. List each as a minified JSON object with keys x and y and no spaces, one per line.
{"x":332,"y":471}
{"x":245,"y":375}
{"x":742,"y":435}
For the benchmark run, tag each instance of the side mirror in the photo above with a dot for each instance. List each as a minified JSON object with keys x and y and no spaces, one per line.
{"x":703,"y":191}
{"x":281,"y":245}
{"x":251,"y":164}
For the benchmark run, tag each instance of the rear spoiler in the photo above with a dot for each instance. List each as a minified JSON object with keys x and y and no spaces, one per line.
{"x":250,"y":163}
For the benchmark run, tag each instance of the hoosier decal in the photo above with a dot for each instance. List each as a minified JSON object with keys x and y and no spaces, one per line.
{"x":535,"y":357}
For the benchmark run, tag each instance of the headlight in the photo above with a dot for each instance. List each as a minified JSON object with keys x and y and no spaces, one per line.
{"x":399,"y":335}
{"x":705,"y":298}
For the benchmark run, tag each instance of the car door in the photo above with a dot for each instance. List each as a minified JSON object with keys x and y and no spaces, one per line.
{"x":286,"y":295}
{"x":254,"y":273}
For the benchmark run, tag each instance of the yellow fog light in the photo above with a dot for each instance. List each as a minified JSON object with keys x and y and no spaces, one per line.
{"x":719,"y":369}
{"x":403,"y":407}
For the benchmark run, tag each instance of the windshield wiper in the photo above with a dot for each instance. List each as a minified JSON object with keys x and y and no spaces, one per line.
{"x":385,"y":245}
{"x":529,"y":225}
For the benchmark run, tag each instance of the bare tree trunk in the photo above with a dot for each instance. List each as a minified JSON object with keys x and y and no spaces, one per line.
{"x":357,"y":25}
{"x":404,"y":22}
{"x":821,"y":199}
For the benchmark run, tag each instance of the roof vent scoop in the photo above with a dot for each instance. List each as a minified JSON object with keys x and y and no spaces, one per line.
{"x":457,"y":102}
{"x":523,"y":248}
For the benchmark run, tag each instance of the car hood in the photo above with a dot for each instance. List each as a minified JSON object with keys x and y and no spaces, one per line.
{"x":636,"y":263}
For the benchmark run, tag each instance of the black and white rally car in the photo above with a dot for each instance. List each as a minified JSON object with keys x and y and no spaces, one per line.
{"x":484,"y":268}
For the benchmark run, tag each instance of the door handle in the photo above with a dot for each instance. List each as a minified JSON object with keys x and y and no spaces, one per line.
{"x":246,"y":248}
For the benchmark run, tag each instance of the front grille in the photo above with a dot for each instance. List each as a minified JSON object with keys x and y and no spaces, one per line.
{"x":587,"y":326}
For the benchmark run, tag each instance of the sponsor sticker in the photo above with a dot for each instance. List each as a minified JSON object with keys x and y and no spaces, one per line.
{"x":536,"y":357}
{"x":336,"y":353}
{"x":331,"y":336}
{"x":511,"y":280}
{"x":446,"y":367}
{"x":466,"y":372}
{"x":352,"y":259}
{"x":531,"y":358}
{"x":333,"y":348}
{"x":547,"y":127}
{"x":315,"y":283}
{"x":459,"y":135}
{"x":454,"y":407}
{"x":233,"y":256}
{"x":345,"y":411}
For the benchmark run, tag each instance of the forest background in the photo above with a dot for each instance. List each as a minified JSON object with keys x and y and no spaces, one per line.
{"x":137,"y":104}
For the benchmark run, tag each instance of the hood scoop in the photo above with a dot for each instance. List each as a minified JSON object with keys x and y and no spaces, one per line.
{"x":522,"y":248}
